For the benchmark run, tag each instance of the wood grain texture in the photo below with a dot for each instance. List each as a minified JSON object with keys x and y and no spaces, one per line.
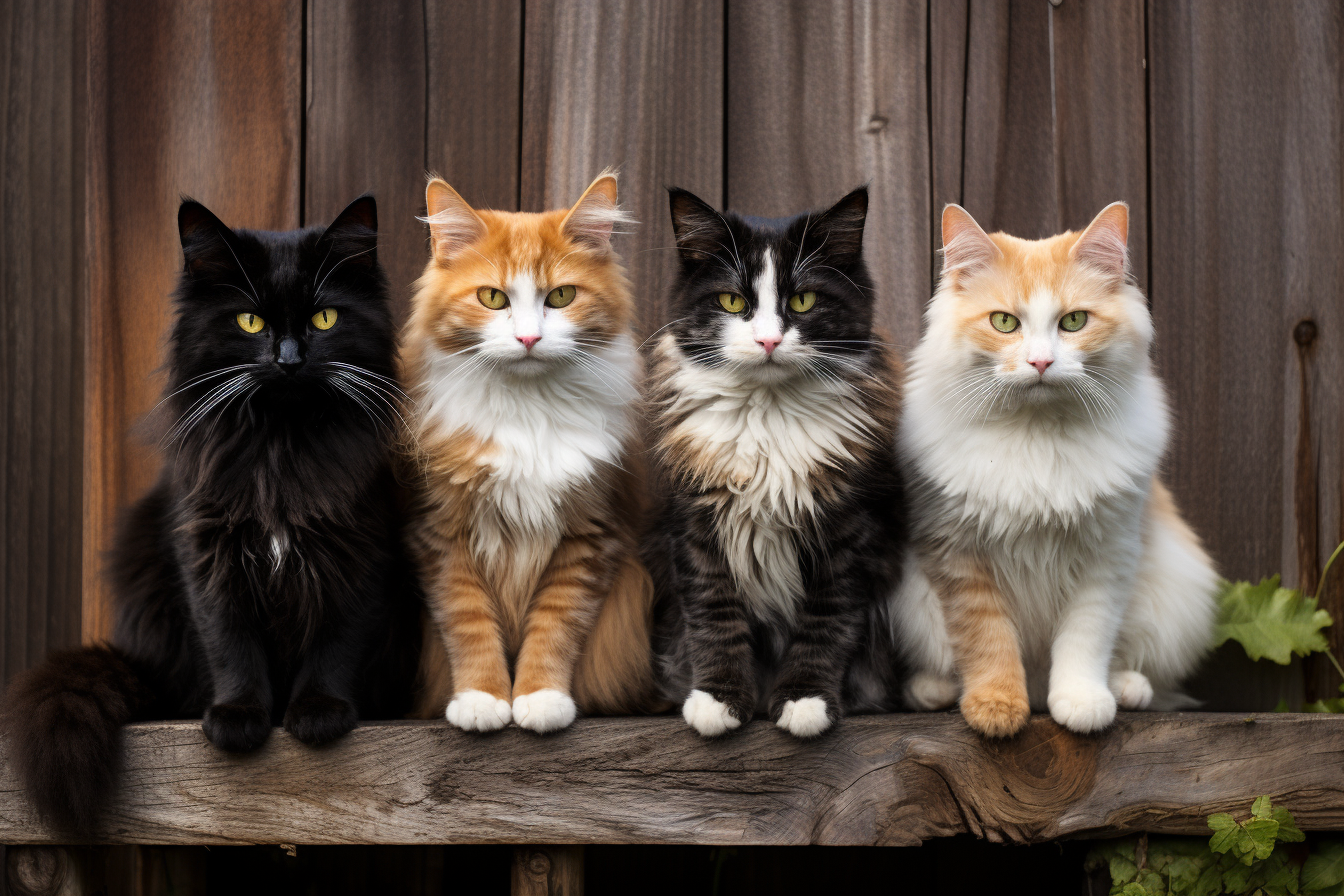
{"x":397,"y":88}
{"x":547,"y":871}
{"x":198,"y":98}
{"x":1248,"y":242}
{"x":1039,"y":115}
{"x":631,"y":84}
{"x":878,"y":780}
{"x":41,"y":327}
{"x":823,"y":97}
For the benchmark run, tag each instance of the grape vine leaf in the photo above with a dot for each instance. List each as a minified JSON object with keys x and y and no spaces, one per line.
{"x":1269,"y":621}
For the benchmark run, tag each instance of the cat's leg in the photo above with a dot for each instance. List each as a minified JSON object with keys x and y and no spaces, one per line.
{"x":559,"y":619}
{"x":717,"y":642}
{"x":461,"y":606}
{"x":1080,"y":696}
{"x":985,"y":642}
{"x":239,"y":717}
{"x":321,"y":702}
{"x":923,"y":641}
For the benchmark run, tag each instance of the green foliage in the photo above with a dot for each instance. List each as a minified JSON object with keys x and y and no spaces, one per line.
{"x":1242,"y":857}
{"x":1270,"y":621}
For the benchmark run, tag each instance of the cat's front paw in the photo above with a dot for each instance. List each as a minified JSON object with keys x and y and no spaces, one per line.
{"x":237,"y":727}
{"x":927,"y":692}
{"x":478,"y":711}
{"x":996,"y":712}
{"x":1132,"y":689}
{"x":543,"y":711}
{"x":317,"y":718}
{"x":804,"y":717}
{"x":1083,"y":707}
{"x":708,"y":716}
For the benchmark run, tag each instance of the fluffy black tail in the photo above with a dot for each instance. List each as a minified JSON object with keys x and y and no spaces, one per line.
{"x":63,"y":721}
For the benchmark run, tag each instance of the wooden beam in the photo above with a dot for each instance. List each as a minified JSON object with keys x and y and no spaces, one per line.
{"x":879,"y":780}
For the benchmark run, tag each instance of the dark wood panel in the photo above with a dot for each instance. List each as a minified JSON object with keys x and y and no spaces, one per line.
{"x":1248,"y":242}
{"x":632,"y":84}
{"x":400,"y":87}
{"x":821,"y":98}
{"x":877,"y":780}
{"x":41,"y":327}
{"x":1039,"y":117}
{"x":200,"y":97}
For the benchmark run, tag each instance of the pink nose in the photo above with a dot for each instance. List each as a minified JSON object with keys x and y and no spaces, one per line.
{"x":768,"y":344}
{"x":529,"y":341}
{"x":1041,"y":365}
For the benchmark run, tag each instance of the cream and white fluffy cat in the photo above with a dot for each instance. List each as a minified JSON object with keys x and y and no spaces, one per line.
{"x":1050,"y":568}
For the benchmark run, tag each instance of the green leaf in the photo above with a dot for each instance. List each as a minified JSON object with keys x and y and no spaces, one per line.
{"x":1334,"y":704}
{"x":1324,"y":868}
{"x":1262,"y":807}
{"x":1257,"y":838}
{"x":1237,"y":878}
{"x":1288,"y":829}
{"x":1279,"y":875}
{"x":1210,"y":882}
{"x":1227,"y":832}
{"x":1269,"y":621}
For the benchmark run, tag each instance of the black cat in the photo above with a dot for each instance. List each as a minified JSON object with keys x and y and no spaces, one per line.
{"x":775,"y":411}
{"x":262,"y":579}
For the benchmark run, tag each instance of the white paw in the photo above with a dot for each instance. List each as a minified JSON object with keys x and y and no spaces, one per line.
{"x":805,"y":717}
{"x":707,"y":715}
{"x":1082,"y":707}
{"x":478,"y":711}
{"x":1132,"y":690}
{"x":928,"y":692}
{"x":543,"y":711}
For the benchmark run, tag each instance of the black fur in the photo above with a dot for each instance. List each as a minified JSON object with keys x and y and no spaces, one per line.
{"x":708,"y":637}
{"x":262,"y":579}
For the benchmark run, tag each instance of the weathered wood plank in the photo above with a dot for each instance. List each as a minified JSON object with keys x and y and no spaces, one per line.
{"x":201,"y":98}
{"x":41,"y":327}
{"x":823,"y":97}
{"x":547,"y":871}
{"x":1247,"y":124}
{"x":878,"y":780}
{"x":636,"y":84}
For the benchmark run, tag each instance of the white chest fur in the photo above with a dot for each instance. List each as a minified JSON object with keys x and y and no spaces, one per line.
{"x":758,"y":448}
{"x":548,"y":432}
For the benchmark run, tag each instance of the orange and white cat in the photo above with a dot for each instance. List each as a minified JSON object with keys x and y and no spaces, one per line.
{"x":1051,"y":568}
{"x":523,"y":371}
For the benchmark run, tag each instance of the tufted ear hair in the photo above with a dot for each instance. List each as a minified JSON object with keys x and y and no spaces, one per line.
{"x":840,"y":227}
{"x":354,"y":233}
{"x":966,"y":246}
{"x":453,"y":224}
{"x":596,"y":214}
{"x":208,"y":246}
{"x":699,"y":229}
{"x":1105,"y":243}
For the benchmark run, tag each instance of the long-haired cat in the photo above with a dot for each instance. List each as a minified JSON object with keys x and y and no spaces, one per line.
{"x":775,"y":410}
{"x":523,"y":369}
{"x":1052,"y":569}
{"x":262,"y":579}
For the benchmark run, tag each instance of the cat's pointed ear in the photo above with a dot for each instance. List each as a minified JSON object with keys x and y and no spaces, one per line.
{"x":452,"y":223}
{"x":596,"y":214}
{"x":966,"y":246}
{"x":700,"y":231}
{"x":355,"y":233}
{"x":1105,"y":243}
{"x":207,"y":244}
{"x":840,"y":227}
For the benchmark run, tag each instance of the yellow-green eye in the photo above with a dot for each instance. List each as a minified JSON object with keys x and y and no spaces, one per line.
{"x":1003,"y":321}
{"x":802,"y":301}
{"x":560,"y":296}
{"x":1073,"y":321}
{"x":733,"y":304}
{"x":250,"y":322}
{"x":325,"y":319}
{"x":492,"y":298}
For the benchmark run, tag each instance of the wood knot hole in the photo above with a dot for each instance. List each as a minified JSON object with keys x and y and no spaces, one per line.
{"x":539,"y":864}
{"x":877,"y":124}
{"x":1304,"y":334}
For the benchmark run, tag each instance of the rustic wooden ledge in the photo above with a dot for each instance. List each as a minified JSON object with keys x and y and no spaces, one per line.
{"x":881,"y":780}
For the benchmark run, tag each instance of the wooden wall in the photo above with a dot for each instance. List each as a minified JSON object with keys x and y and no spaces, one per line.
{"x":1219,"y":122}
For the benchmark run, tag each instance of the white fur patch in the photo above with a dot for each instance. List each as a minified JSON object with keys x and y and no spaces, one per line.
{"x":764,"y":441}
{"x":1132,"y":689}
{"x":551,"y":431}
{"x":478,"y":711}
{"x":544,"y":711}
{"x":1082,"y":706}
{"x":928,"y":692}
{"x":708,"y":716}
{"x":805,"y":717}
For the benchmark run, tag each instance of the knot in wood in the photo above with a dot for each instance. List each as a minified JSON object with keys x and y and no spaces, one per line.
{"x":539,"y":864}
{"x":1304,"y":334}
{"x":876,"y":124}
